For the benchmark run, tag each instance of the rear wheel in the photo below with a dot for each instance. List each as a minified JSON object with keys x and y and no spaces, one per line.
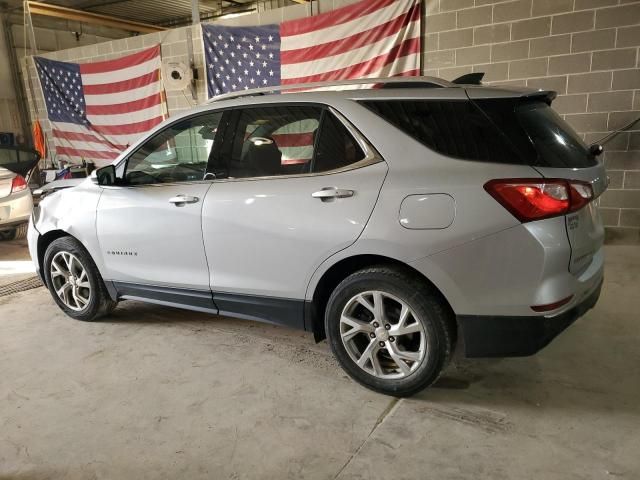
{"x":388,"y":331}
{"x":74,"y":281}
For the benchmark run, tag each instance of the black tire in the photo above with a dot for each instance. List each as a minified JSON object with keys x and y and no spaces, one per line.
{"x":429,"y":310}
{"x":7,"y":235}
{"x":100,"y":302}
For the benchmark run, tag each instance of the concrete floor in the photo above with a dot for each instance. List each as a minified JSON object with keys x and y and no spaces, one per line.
{"x":155,"y":392}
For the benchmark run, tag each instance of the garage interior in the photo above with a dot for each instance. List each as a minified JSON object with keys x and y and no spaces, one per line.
{"x":157,"y":392}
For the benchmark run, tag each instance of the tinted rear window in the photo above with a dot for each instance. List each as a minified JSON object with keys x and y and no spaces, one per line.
{"x":497,"y":130}
{"x":556,"y":143}
{"x":455,"y":128}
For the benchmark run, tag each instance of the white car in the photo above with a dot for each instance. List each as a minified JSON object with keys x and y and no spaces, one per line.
{"x":15,"y":205}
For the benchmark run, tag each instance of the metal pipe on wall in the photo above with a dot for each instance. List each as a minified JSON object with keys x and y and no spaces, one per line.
{"x":195,"y":12}
{"x":20,"y":94}
{"x":50,"y":10}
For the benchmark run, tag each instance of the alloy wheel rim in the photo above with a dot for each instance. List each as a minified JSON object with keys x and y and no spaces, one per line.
{"x":70,"y":281}
{"x":383,"y":335}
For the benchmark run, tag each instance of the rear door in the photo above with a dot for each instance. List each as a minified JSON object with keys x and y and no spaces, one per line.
{"x":286,"y":197}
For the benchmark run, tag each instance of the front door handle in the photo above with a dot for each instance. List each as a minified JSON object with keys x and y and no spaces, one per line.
{"x":180,"y":200}
{"x":332,"y":192}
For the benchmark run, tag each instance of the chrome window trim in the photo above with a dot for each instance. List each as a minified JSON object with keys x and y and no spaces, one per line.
{"x":371,"y":156}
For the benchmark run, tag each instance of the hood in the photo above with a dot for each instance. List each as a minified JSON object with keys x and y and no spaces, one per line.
{"x":19,"y":160}
{"x":56,"y":185}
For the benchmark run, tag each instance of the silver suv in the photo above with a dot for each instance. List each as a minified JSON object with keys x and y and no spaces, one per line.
{"x":395,"y":221}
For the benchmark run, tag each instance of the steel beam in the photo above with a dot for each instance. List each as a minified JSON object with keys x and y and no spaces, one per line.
{"x":65,"y":13}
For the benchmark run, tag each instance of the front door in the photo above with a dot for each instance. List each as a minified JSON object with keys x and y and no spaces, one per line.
{"x":296,"y":187}
{"x":150,"y":225}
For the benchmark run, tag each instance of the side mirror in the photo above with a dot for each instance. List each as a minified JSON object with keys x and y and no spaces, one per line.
{"x":106,"y":175}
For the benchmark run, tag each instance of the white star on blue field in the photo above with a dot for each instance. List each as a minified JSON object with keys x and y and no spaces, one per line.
{"x":240,"y":58}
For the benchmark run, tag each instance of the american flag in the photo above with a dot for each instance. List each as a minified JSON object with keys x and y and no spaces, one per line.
{"x":372,"y":38}
{"x":98,"y":109}
{"x":240,"y":58}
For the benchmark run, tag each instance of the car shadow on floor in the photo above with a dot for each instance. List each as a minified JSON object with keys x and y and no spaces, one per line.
{"x":555,"y":378}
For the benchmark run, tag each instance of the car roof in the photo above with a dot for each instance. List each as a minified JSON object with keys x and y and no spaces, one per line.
{"x":393,"y":87}
{"x":328,"y":96}
{"x":353,"y":90}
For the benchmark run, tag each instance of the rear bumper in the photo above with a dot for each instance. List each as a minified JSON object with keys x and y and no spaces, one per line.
{"x":15,"y":210}
{"x":503,"y":336}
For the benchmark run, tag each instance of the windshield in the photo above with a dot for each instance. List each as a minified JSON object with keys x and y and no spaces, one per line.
{"x":556,"y":143}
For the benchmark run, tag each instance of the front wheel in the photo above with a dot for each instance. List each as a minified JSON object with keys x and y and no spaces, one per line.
{"x":388,"y":331}
{"x":74,"y":280}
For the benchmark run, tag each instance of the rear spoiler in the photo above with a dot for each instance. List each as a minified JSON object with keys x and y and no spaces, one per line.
{"x":547,"y":96}
{"x":521,"y":93}
{"x":474,"y":78}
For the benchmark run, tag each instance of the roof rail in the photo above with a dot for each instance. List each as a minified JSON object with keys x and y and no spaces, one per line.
{"x":402,"y":82}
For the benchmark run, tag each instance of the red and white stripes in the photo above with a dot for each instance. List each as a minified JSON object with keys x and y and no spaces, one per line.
{"x":376,"y":38}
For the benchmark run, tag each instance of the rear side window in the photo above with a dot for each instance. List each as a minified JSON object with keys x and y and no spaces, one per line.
{"x":274,"y":140}
{"x":336,"y":148}
{"x":496,"y":130}
{"x":455,"y":128}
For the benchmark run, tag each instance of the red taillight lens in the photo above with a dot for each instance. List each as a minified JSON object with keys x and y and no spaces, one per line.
{"x":536,"y":199}
{"x":581,"y":194}
{"x":18,"y":184}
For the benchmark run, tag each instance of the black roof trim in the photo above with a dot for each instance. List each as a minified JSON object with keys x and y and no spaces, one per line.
{"x":411,"y":85}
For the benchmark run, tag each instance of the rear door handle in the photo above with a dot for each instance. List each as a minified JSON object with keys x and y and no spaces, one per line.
{"x":332,"y":192}
{"x":180,"y":200}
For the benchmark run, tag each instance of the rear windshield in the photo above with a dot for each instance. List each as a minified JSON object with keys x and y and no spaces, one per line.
{"x":556,"y":143}
{"x":497,"y":130}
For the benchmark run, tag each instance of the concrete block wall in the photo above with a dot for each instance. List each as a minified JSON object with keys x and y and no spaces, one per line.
{"x":586,"y":50}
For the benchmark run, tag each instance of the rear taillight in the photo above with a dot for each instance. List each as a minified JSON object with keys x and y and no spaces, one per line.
{"x":530,"y":199}
{"x":581,"y":194}
{"x":18,"y":184}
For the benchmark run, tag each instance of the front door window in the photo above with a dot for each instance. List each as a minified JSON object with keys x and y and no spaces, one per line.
{"x":179,"y":153}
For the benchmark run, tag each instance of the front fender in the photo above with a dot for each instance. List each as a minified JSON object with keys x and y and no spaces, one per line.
{"x":73,"y":211}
